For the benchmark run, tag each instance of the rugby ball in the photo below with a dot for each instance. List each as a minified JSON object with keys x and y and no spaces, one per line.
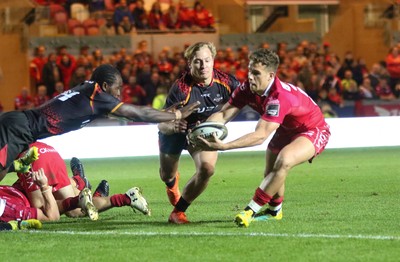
{"x":206,"y":131}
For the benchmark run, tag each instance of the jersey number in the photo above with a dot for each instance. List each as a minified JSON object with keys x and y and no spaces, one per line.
{"x":67,"y":95}
{"x":289,"y":88}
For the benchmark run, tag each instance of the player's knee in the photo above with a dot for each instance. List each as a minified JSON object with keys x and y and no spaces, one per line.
{"x":282,"y":163}
{"x":166,"y":174}
{"x":206,"y":170}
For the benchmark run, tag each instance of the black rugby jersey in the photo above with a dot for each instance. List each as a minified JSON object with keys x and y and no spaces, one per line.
{"x":211,"y":97}
{"x":71,"y":110}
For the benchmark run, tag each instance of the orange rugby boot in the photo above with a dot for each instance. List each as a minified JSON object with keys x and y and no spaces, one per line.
{"x":173,"y":193}
{"x":178,"y":217}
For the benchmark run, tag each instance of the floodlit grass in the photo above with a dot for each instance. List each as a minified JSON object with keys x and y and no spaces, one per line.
{"x":342,"y":207}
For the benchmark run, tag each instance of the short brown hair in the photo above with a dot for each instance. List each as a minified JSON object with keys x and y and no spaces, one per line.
{"x":265,"y":57}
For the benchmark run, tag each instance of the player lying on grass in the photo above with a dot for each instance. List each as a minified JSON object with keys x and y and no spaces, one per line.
{"x":301,"y":131}
{"x":70,"y":111}
{"x":73,"y":196}
{"x":15,"y":206}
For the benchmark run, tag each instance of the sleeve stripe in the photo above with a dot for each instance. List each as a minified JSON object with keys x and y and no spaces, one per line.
{"x":116,"y":107}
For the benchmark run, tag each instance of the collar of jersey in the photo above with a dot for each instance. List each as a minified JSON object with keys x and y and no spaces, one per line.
{"x":266,"y":92}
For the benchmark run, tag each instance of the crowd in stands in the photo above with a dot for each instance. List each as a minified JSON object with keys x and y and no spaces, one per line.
{"x":118,"y":17}
{"x":147,"y":78}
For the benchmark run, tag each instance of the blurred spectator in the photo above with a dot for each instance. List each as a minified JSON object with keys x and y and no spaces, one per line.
{"x":383,"y":90}
{"x":23,"y":101}
{"x":333,"y":88}
{"x":170,"y":17}
{"x":151,"y":87}
{"x":367,"y":90}
{"x":125,"y":27}
{"x":1,"y":108}
{"x":299,"y":59}
{"x":98,"y":57}
{"x":202,"y":18}
{"x":393,"y":66}
{"x":327,"y":110}
{"x":139,"y":14}
{"x":78,"y":77}
{"x":160,"y":98}
{"x":141,"y":55}
{"x":305,"y":76}
{"x":51,"y":74}
{"x":132,"y":93}
{"x":220,"y":60}
{"x":108,"y":28}
{"x":350,"y":86}
{"x":375,"y":74}
{"x":185,"y":15}
{"x":97,"y":8}
{"x":242,"y":70}
{"x":59,"y":89}
{"x":155,"y":17}
{"x":36,"y":66}
{"x":120,"y":11}
{"x":84,"y":54}
{"x":62,"y":51}
{"x":164,"y":65}
{"x":67,"y":68}
{"x":41,"y":96}
{"x":359,"y":70}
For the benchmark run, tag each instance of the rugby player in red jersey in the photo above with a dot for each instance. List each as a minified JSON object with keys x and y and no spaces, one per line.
{"x":72,"y":200}
{"x":72,"y":110}
{"x":301,"y":131}
{"x":212,"y":88}
{"x":14,"y":205}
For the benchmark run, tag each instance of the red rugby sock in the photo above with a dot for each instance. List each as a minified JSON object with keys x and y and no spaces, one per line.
{"x":276,"y":201}
{"x":80,"y":183}
{"x":70,"y":203}
{"x":260,"y":197}
{"x":120,"y":200}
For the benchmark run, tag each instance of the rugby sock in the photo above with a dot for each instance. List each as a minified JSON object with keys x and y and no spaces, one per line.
{"x":70,"y":203}
{"x":275,"y":204}
{"x":119,"y":200}
{"x":182,"y":205}
{"x":260,"y":198}
{"x":171,"y":183}
{"x":80,"y":183}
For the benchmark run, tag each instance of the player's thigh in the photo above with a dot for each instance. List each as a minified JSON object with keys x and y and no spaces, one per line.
{"x":296,"y":152}
{"x":64,"y":193}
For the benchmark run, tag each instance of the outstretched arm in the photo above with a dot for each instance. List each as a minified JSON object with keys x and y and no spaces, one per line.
{"x":263,"y":130}
{"x":226,"y":114}
{"x":149,"y":114}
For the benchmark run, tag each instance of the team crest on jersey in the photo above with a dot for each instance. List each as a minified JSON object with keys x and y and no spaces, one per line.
{"x":218,"y":98}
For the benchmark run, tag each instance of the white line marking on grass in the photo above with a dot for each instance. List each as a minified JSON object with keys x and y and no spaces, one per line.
{"x":220,"y":234}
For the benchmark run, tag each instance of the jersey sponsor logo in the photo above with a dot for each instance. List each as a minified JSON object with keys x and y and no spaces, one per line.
{"x":44,"y":150}
{"x":205,"y":109}
{"x":205,"y":95}
{"x":272,"y":110}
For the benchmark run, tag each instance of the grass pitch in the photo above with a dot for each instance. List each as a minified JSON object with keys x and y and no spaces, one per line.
{"x":342,"y":207}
